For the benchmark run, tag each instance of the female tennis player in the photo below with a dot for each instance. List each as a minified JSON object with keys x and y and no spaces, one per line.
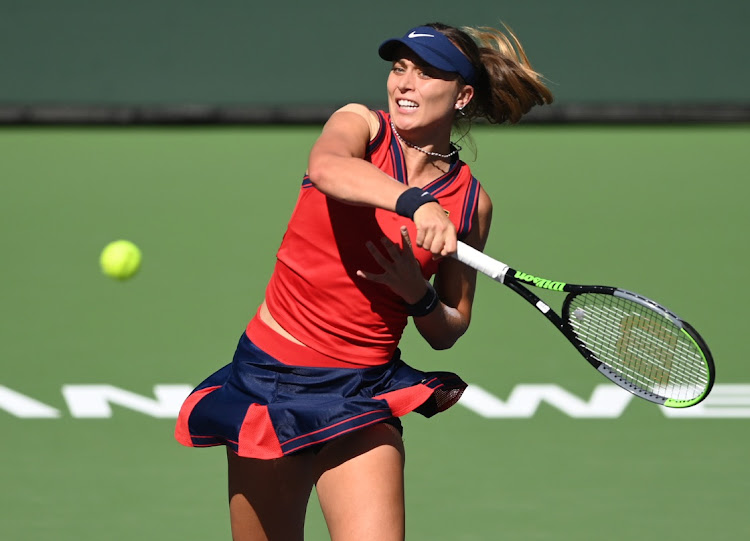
{"x":317,"y":384}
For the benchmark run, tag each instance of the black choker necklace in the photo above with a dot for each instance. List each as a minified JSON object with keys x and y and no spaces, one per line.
{"x":455,"y":150}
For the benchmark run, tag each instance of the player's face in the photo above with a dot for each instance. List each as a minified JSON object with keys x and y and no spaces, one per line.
{"x":420,"y":95}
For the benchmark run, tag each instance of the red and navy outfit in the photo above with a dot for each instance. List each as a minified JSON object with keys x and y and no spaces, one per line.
{"x":278,"y":397}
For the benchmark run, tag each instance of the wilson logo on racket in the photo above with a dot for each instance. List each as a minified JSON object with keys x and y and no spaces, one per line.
{"x":539,"y":282}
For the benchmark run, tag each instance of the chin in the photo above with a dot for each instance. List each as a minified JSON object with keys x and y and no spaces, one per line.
{"x":405,"y":119}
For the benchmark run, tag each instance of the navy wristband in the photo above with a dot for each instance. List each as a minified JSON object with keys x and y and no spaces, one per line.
{"x":426,"y":304}
{"x":409,"y":201}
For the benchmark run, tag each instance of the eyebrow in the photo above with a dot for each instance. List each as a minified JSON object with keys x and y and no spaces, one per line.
{"x":429,"y":69}
{"x":418,"y":62}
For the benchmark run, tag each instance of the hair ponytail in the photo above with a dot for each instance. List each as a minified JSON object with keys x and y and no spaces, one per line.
{"x":507,"y":86}
{"x":512,"y":86}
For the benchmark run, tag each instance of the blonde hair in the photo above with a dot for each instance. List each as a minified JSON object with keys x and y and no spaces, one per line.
{"x":507,"y":87}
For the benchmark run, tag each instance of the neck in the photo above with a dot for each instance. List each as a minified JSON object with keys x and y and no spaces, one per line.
{"x":453,"y":152}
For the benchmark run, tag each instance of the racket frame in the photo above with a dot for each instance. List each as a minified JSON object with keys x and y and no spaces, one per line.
{"x":517,"y":281}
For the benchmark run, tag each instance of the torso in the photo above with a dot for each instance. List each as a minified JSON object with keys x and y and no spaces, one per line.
{"x":314,"y":296}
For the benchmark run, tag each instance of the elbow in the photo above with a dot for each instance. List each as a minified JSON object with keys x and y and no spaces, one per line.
{"x":319,"y":169}
{"x":442,"y":328}
{"x":314,"y":173}
{"x":442,"y":344}
{"x":443,"y":341}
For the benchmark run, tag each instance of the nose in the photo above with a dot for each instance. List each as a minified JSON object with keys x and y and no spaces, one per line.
{"x":406,"y":81}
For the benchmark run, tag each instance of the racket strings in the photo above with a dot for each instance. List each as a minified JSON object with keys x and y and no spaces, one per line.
{"x":640,"y":344}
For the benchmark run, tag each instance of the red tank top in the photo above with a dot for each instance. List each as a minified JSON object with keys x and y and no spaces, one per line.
{"x":314,"y":292}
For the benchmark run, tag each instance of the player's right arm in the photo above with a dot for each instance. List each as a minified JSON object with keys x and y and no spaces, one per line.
{"x":337,"y":168}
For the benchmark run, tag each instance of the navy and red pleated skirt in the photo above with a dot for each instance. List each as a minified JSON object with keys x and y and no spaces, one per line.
{"x":261,"y":407}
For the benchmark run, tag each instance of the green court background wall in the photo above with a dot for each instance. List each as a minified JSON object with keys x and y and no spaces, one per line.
{"x":289,"y":54}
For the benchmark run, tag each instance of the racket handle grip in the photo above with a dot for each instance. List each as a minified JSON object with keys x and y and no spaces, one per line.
{"x":481,"y":262}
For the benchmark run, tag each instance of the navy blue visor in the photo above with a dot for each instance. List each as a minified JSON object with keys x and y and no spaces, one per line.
{"x":434,"y":48}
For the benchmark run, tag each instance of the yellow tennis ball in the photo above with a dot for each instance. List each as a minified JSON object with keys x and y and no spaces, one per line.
{"x":120,"y":259}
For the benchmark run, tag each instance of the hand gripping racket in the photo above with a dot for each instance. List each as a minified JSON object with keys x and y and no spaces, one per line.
{"x":633,"y":341}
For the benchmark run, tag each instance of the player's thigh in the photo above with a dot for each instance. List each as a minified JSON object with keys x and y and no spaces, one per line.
{"x":361,"y":488}
{"x":268,"y":498}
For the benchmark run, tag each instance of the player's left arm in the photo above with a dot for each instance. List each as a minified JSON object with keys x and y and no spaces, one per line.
{"x":455,"y":284}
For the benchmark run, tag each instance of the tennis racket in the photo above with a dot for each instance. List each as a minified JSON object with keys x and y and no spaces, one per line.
{"x":633,"y":341}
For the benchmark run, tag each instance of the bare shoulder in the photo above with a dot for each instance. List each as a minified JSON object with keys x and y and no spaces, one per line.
{"x":484,"y":206}
{"x":365,"y":113}
{"x":481,"y":221}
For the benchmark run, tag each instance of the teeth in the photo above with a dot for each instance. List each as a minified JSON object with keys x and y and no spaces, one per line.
{"x":407,"y":104}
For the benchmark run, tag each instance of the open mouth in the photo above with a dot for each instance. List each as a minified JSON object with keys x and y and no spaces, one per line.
{"x":407,"y":104}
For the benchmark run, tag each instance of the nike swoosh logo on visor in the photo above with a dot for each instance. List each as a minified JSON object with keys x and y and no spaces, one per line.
{"x":412,"y":34}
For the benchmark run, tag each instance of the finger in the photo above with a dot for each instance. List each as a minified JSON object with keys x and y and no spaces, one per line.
{"x":450,"y":244}
{"x":429,"y":240}
{"x":406,"y":241}
{"x":449,"y":248}
{"x":377,"y":256}
{"x":371,"y":276}
{"x":393,"y":250}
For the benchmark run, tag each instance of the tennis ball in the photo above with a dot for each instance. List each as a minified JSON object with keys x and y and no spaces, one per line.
{"x":120,"y":259}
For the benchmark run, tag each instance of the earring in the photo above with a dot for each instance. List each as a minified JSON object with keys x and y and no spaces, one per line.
{"x":460,"y":110}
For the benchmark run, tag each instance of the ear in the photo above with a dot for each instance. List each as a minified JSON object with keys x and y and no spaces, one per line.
{"x":465,"y":95}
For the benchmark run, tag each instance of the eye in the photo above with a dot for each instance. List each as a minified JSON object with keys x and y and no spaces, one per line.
{"x":398,"y":65}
